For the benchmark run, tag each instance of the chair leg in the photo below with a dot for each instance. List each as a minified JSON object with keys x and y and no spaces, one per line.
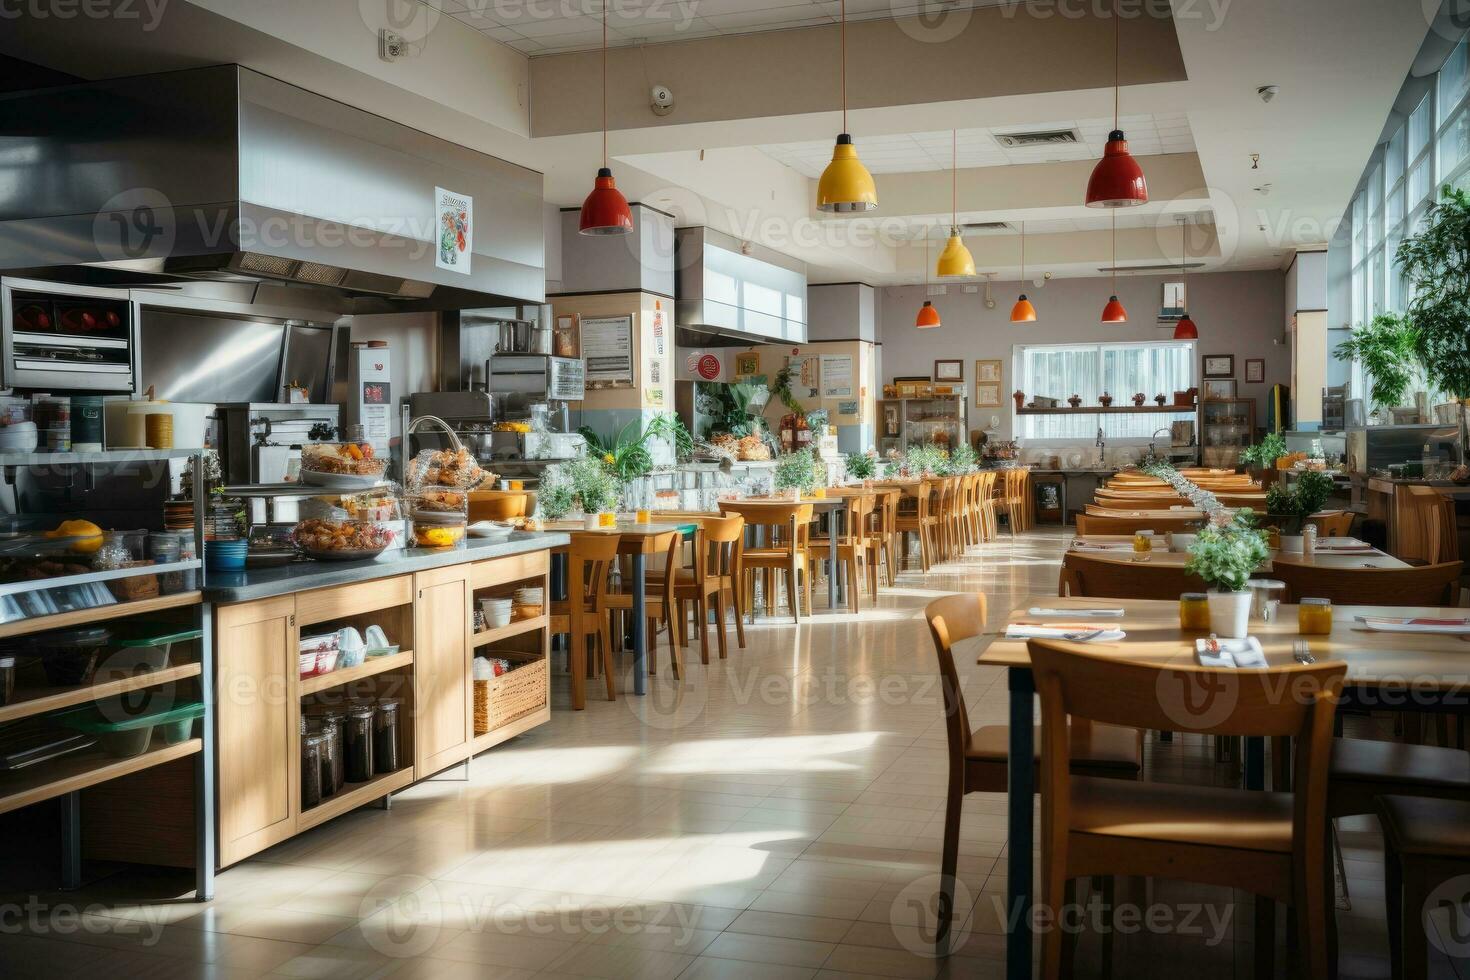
{"x":1265,"y":937}
{"x":949,"y":858}
{"x":853,"y":603}
{"x":792,"y":594}
{"x":739,"y":604}
{"x":1393,"y":891}
{"x":577,"y":654}
{"x":1312,"y":907}
{"x":720,"y":637}
{"x":1069,"y":936}
{"x":701,"y":613}
{"x":676,"y":652}
{"x":605,"y":642}
{"x":1414,"y":945}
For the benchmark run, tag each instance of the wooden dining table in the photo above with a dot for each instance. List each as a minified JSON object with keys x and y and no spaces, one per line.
{"x":1322,"y":558}
{"x":1416,"y":671}
{"x":637,"y":541}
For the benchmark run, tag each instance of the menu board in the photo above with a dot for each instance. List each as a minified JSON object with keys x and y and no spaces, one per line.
{"x":836,"y":375}
{"x":607,"y":349}
{"x":805,"y":375}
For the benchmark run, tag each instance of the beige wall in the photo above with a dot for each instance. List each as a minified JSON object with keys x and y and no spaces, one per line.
{"x":1237,"y":312}
{"x":644,"y":307}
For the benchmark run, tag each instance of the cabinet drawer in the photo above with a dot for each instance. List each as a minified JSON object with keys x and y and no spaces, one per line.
{"x":321,"y":605}
{"x":498,"y":571}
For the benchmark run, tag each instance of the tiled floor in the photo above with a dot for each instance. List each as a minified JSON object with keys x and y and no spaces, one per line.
{"x":775,"y":816}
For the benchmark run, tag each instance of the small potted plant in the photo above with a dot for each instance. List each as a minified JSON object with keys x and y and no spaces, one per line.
{"x":795,"y":474}
{"x":1020,"y":397}
{"x":1159,"y":400}
{"x":1226,"y":558}
{"x":1289,"y":507}
{"x":1138,"y":399}
{"x":1106,"y":400}
{"x":863,"y":466}
{"x":1075,"y":401}
{"x":598,"y":489}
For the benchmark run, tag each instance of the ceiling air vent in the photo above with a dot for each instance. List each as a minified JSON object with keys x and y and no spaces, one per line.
{"x":1163,"y":267}
{"x":985,"y":227}
{"x":1046,"y":137}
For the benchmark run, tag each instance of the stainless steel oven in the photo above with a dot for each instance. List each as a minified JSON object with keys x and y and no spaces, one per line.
{"x":60,"y":337}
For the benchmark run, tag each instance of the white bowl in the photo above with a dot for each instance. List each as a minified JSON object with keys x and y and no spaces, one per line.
{"x":19,"y":437}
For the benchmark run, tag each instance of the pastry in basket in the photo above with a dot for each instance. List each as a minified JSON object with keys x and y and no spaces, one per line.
{"x":347,"y":458}
{"x":448,"y":501}
{"x":325,"y":536}
{"x":445,"y":468}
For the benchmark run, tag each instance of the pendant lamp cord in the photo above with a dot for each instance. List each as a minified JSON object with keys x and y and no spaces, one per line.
{"x":842,"y":68}
{"x":604,"y":85}
{"x":954,"y":178}
{"x":1114,"y":216}
{"x":1115,"y":62}
{"x":1023,"y":255}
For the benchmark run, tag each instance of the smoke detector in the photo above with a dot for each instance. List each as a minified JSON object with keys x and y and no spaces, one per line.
{"x":661,"y":100}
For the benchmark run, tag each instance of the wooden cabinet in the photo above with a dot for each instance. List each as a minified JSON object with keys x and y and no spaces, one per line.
{"x":443,"y":694}
{"x":257,"y":715}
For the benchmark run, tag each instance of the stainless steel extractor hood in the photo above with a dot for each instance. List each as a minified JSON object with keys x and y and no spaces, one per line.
{"x":223,"y":173}
{"x":733,"y":293}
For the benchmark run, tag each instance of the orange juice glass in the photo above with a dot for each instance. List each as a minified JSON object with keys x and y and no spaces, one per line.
{"x":607,"y":519}
{"x":1314,"y":617}
{"x":642,"y":516}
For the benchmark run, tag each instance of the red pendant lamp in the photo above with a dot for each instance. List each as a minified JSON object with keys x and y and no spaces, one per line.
{"x":1185,"y":328}
{"x":1113,"y":312}
{"x":1023,"y":311}
{"x":1117,"y":181}
{"x":605,"y":212}
{"x":928,"y":317}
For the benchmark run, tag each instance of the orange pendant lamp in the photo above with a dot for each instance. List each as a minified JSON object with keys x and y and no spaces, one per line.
{"x":605,"y":211}
{"x":928,"y":317}
{"x":1185,"y":328}
{"x":1117,"y":181}
{"x":1023,"y":311}
{"x":1113,"y":312}
{"x":846,"y":185}
{"x":955,"y":261}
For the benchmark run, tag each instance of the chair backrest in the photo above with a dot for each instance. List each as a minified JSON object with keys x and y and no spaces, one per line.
{"x":788,"y":524}
{"x":986,"y":486}
{"x":671,"y":543}
{"x":1297,"y":701}
{"x":952,"y":619}
{"x":884,"y":519}
{"x":497,"y":505}
{"x":1431,"y":533}
{"x":724,"y":539}
{"x":589,"y":559}
{"x":1332,"y":523}
{"x":859,"y":509}
{"x":1089,"y":575}
{"x":1423,"y":585}
{"x":1093,"y":524}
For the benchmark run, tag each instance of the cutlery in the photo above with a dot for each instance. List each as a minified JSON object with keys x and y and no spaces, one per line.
{"x":1302,"y":653}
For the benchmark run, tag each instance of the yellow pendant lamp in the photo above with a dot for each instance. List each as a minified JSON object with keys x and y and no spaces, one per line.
{"x":1023,"y":311}
{"x":1113,"y":312}
{"x":955,"y":261}
{"x":928,"y":317}
{"x":846,"y":186}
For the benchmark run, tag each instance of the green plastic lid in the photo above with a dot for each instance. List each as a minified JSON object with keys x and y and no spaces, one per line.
{"x":157,"y":634}
{"x":89,"y":718}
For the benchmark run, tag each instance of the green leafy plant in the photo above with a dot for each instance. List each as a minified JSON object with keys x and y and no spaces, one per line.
{"x":862,"y":466}
{"x":1436,"y":261}
{"x":1227,"y":557}
{"x":1265,"y":453}
{"x":1387,"y":347}
{"x":590,"y":480}
{"x":555,"y":500}
{"x":963,"y":459}
{"x":796,"y":471}
{"x":1291,"y":505}
{"x":927,"y":458}
{"x":781,"y":388}
{"x":817,"y":420}
{"x":628,"y":453}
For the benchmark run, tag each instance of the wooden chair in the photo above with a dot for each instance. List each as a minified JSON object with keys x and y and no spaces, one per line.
{"x":921,"y":521}
{"x":978,"y":758}
{"x":985,"y":499}
{"x":500,"y":505}
{"x":710,"y":577}
{"x":1092,"y":524}
{"x":1425,"y":528}
{"x":786,"y":551}
{"x":658,"y":601}
{"x":1423,"y":585}
{"x":946,"y":511}
{"x":583,"y":615}
{"x":1088,"y":575}
{"x":883,"y":537}
{"x":1013,"y":497}
{"x":1270,"y":844}
{"x":852,"y":546}
{"x":1332,"y":523}
{"x":1426,"y":843}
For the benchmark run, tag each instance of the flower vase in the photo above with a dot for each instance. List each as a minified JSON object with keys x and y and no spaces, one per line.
{"x":1230,"y":614}
{"x":592,"y":521}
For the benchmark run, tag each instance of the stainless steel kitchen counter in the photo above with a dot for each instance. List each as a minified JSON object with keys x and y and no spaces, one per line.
{"x":264,"y":583}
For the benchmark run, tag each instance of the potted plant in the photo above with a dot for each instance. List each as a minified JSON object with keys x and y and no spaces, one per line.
{"x":817,"y":422}
{"x":1075,"y":401}
{"x":863,"y":466}
{"x":1264,"y":454}
{"x":1139,"y":398}
{"x":1386,"y":347}
{"x":1226,"y":558}
{"x":1106,"y":400}
{"x":1159,"y":400}
{"x":1437,"y":264}
{"x":795,"y":473}
{"x":1288,"y":507}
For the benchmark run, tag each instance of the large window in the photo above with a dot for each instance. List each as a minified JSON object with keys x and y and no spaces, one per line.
{"x":1087,"y":370}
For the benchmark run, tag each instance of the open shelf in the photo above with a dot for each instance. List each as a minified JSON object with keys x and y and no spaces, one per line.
{"x":495,"y":736}
{"x":354,"y":795}
{"x":46,"y":780}
{"x":80,"y":617}
{"x":39,"y":700}
{"x":346,"y":675}
{"x":516,"y":628}
{"x":1111,"y":410}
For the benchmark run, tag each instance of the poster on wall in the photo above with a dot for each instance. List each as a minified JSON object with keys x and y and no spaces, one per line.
{"x":848,"y":409}
{"x":747,"y":365}
{"x":836,"y":375}
{"x":607,"y":349}
{"x":987,"y":396}
{"x":658,"y":329}
{"x":454,"y":216}
{"x":806,"y":375}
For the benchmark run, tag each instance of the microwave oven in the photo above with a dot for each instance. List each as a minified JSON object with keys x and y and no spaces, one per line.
{"x":61,"y":337}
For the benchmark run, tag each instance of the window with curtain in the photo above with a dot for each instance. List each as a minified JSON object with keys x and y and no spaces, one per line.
{"x":1087,"y":370}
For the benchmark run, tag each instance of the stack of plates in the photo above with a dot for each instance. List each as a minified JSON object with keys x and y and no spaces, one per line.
{"x":178,"y":515}
{"x":225,"y":556}
{"x":497,"y":612}
{"x":526,"y":603}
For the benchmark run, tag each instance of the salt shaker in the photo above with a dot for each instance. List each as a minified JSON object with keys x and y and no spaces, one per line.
{"x":1309,"y":539}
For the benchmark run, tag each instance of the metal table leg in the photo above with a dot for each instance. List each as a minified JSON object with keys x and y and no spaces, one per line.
{"x":1255,"y":762}
{"x":71,"y":841}
{"x":1019,"y":825}
{"x":832,"y":559}
{"x":640,"y":625}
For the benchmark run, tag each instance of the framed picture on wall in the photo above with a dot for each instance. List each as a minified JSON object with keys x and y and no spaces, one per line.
{"x":987,"y":372}
{"x":987,"y":395}
{"x":747,"y":364}
{"x":949,"y":370}
{"x":1219,"y":366}
{"x":1219,"y":388}
{"x":1255,"y":370}
{"x":912,"y":378}
{"x":567,"y":336}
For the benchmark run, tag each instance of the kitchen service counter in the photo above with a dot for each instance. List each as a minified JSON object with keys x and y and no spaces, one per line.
{"x":266,"y":583}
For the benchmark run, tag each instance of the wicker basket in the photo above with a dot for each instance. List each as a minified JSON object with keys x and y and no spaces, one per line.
{"x":511,"y":696}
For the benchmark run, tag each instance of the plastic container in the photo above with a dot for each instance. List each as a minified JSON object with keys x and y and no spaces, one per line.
{"x":86,"y":423}
{"x":122,"y":731}
{"x":69,"y":657}
{"x":318,"y":654}
{"x":329,"y":721}
{"x":146,"y":648}
{"x":311,"y":770}
{"x":8,"y":665}
{"x":19,"y":437}
{"x":385,"y":737}
{"x":357,"y":744}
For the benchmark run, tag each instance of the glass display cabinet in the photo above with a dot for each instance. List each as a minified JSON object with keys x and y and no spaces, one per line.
{"x":1227,"y":426}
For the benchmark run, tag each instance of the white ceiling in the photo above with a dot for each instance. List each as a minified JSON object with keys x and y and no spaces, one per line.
{"x":551,"y":26}
{"x":1148,"y":135}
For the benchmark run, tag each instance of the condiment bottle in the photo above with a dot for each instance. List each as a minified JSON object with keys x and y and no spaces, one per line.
{"x":1314,"y":617}
{"x":1309,"y":539}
